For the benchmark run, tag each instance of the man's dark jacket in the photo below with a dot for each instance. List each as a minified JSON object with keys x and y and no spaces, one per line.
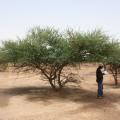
{"x":99,"y":75}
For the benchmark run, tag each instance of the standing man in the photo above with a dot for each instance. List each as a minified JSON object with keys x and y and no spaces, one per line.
{"x":99,"y":80}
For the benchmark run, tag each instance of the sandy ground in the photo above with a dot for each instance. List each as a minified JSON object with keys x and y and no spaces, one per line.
{"x":27,"y":96}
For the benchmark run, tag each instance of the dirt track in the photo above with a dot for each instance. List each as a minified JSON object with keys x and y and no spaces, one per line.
{"x":28,"y":97}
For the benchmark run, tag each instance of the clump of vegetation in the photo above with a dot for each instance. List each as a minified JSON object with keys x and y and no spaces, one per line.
{"x":113,"y":61}
{"x":50,"y":51}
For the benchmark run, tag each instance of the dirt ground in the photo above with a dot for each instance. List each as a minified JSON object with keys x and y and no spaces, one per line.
{"x":27,"y":96}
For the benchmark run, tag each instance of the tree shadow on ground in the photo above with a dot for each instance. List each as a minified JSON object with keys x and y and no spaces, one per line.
{"x":112,"y":85}
{"x":46,"y":94}
{"x":4,"y":99}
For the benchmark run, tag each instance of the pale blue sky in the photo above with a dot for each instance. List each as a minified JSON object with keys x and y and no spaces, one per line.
{"x":17,"y":16}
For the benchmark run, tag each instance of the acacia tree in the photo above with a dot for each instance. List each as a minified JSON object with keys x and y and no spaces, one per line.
{"x":49,"y":51}
{"x":42,"y":49}
{"x":97,"y":47}
{"x":113,"y":60}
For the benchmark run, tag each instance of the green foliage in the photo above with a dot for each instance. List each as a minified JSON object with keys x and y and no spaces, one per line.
{"x":46,"y":46}
{"x":114,"y":57}
{"x":50,"y":51}
{"x":90,"y":47}
{"x":49,"y":46}
{"x":40,"y":46}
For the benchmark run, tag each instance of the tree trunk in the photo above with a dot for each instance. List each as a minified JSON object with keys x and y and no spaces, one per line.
{"x":54,"y":75}
{"x":116,"y":80}
{"x":59,"y":80}
{"x":52,"y":84}
{"x":55,"y":80}
{"x":114,"y":71}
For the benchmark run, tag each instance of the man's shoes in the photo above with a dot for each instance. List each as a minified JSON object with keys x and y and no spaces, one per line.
{"x":99,"y":97}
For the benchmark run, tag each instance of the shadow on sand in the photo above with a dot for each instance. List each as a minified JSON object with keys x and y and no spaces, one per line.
{"x":46,"y":94}
{"x":112,"y":85}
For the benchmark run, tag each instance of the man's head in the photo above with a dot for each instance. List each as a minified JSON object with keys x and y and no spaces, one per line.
{"x":101,"y":66}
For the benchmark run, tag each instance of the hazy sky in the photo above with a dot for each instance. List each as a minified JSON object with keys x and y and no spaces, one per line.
{"x":17,"y":16}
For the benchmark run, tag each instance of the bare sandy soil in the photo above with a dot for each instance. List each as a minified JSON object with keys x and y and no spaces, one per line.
{"x":27,"y":96}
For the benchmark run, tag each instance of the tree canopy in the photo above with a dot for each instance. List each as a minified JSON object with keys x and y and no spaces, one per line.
{"x":49,"y":51}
